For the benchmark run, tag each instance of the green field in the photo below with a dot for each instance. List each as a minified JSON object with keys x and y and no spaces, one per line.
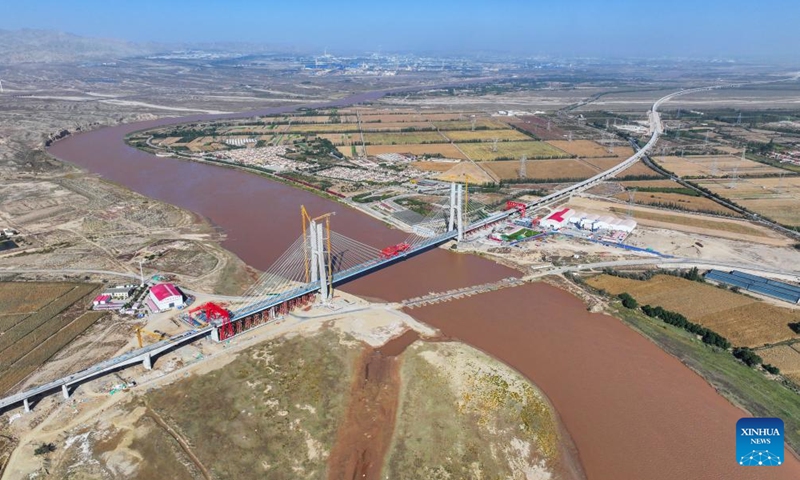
{"x":524,"y":233}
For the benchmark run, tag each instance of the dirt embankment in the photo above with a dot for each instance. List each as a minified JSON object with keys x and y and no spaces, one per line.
{"x":366,"y":433}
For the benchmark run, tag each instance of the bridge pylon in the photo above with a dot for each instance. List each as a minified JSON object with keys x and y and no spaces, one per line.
{"x":456,"y":210}
{"x":317,"y":253}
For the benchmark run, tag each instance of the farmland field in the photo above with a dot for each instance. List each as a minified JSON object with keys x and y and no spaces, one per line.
{"x":677,"y":201}
{"x":395,"y":127}
{"x":638,"y":169}
{"x":347,"y":151}
{"x":540,"y":127}
{"x":785,"y":357}
{"x":543,"y":169}
{"x":774,"y":197}
{"x":411,"y":117}
{"x":485,"y":135}
{"x":324,"y":128}
{"x":511,"y":151}
{"x":445,"y":150}
{"x":26,"y":298}
{"x":583,"y":148}
{"x":342,"y":139}
{"x":743,"y":320}
{"x":703,"y":166}
{"x":433,"y":166}
{"x":480,"y":123}
{"x":403,"y":138}
{"x":650,"y":184}
{"x":56,"y":315}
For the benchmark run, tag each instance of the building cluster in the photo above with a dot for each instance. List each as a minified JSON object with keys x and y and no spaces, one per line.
{"x":359,"y":175}
{"x":239,"y":141}
{"x":395,"y":158}
{"x":271,"y":157}
{"x":792,"y":157}
{"x":587,"y":221}
{"x":160,"y":297}
{"x":113,"y":298}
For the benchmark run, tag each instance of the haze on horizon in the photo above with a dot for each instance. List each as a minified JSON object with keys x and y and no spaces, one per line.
{"x":621,"y":28}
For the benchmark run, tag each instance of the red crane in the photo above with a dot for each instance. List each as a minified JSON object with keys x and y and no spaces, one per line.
{"x":518,"y":205}
{"x":394,"y":250}
{"x":212,"y":311}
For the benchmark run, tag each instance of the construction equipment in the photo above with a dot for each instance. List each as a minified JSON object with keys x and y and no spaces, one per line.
{"x":212,"y":311}
{"x":521,"y":207}
{"x":157,"y":335}
{"x":394,"y":250}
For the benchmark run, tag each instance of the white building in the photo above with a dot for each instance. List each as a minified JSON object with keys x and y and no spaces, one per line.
{"x":603,"y":223}
{"x":588,"y":220}
{"x":163,"y":297}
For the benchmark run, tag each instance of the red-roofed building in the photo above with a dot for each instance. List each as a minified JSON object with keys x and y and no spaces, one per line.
{"x":164,"y":296}
{"x":557,"y":219}
{"x":101,"y":299}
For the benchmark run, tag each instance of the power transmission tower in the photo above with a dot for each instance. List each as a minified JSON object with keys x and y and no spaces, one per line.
{"x":739,"y":119}
{"x":734,"y":178}
{"x":631,"y":198}
{"x":523,"y":171}
{"x":473,"y":124}
{"x":714,"y":168}
{"x":569,"y":136}
{"x":494,"y":144}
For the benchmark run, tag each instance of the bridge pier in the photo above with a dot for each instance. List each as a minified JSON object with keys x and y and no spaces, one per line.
{"x":147,"y":362}
{"x":215,"y":335}
{"x":65,"y":391}
{"x":27,"y":404}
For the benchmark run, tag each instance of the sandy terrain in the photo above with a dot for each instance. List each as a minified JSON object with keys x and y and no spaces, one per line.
{"x":685,"y":222}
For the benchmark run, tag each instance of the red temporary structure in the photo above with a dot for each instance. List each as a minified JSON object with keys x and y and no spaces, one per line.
{"x":518,"y":205}
{"x":394,"y":250}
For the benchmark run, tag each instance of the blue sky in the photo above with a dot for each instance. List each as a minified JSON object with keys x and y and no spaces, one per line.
{"x":699,"y":28}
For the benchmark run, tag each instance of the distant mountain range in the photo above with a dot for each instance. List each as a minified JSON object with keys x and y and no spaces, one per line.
{"x":48,"y":46}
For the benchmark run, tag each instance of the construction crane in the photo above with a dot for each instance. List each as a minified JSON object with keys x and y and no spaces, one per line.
{"x":212,"y":311}
{"x":157,"y":335}
{"x":521,"y":207}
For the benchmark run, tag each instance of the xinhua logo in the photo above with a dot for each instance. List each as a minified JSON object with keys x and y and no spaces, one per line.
{"x":759,"y":442}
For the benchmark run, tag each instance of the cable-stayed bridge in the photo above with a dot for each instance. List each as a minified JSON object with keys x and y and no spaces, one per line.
{"x":321,"y":258}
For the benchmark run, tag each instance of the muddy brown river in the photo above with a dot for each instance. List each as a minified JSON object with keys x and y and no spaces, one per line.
{"x":633,"y":411}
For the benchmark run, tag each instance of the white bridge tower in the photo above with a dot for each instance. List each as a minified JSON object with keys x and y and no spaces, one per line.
{"x":456,"y":210}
